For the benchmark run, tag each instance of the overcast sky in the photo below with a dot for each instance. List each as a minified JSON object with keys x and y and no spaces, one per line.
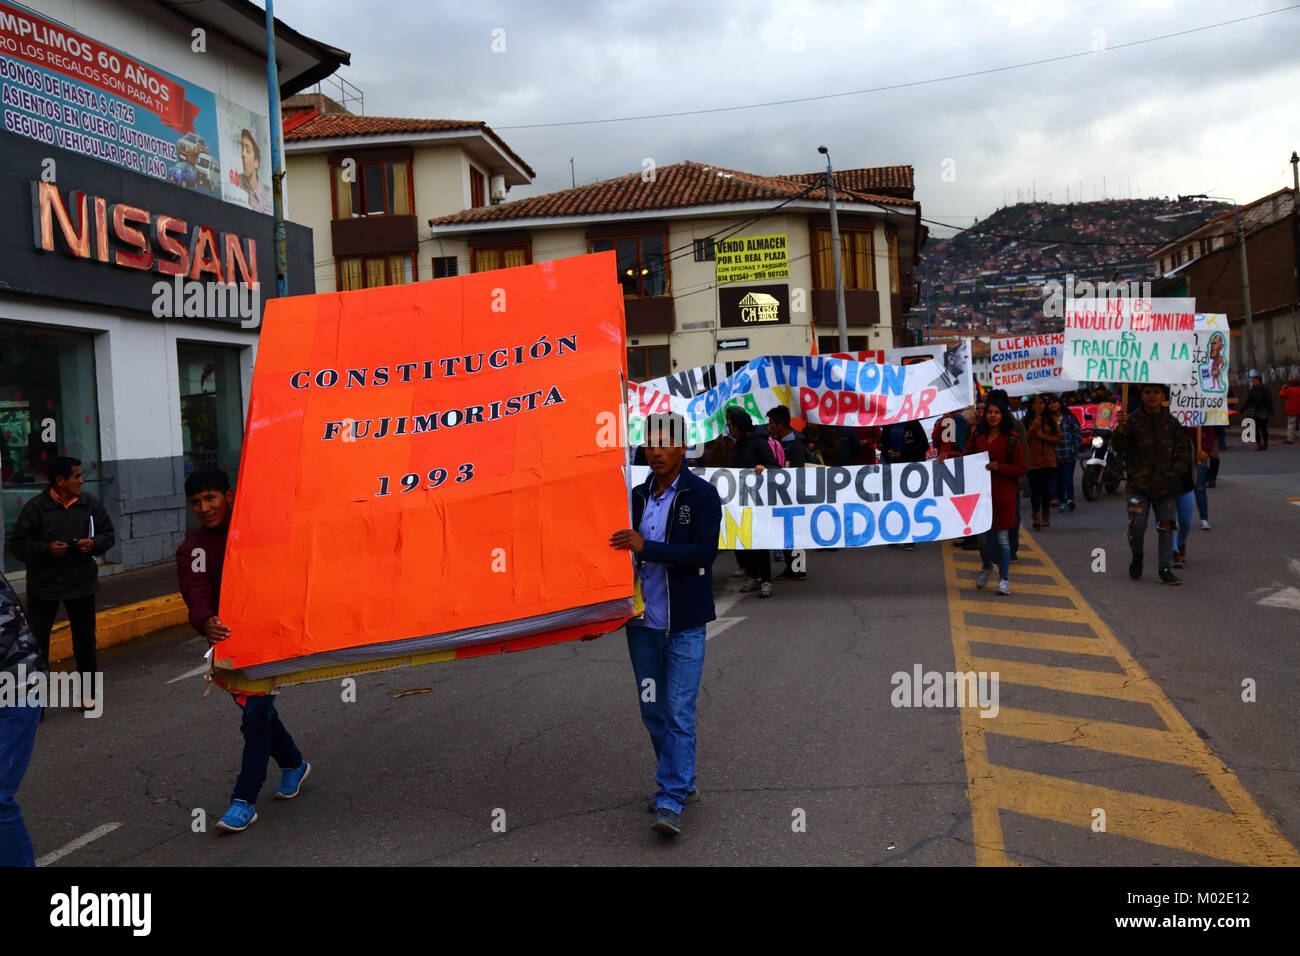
{"x":1213,"y":111}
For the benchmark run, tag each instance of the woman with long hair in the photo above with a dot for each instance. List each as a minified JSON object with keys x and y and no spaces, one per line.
{"x":1043,"y":435}
{"x":995,"y":435}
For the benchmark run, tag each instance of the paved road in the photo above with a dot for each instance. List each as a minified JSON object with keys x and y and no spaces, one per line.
{"x":1114,"y":696}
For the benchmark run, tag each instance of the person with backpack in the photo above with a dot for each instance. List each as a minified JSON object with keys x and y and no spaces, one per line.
{"x":996,"y":436}
{"x":753,"y":451}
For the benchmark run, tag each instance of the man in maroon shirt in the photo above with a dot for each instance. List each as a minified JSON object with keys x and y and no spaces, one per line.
{"x":199,"y":560}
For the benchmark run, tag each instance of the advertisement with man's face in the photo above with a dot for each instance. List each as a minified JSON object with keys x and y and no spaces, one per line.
{"x":245,"y":153}
{"x":69,"y":91}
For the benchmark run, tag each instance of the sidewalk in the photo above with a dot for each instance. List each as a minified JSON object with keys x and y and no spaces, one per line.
{"x":128,"y":605}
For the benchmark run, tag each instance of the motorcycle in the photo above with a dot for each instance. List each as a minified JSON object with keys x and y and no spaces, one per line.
{"x":1105,"y":466}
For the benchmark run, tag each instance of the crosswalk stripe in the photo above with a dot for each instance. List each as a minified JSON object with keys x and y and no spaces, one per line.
{"x":1037,"y":640}
{"x":1011,"y":609}
{"x":1126,"y":740}
{"x":1242,"y":834}
{"x":1072,"y":680}
{"x":1181,"y":826}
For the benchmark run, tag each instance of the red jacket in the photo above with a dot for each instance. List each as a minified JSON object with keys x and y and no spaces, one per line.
{"x":202,"y":589}
{"x":1291,"y":395}
{"x":1006,"y":490}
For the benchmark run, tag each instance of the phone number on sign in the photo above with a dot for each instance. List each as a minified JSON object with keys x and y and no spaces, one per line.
{"x":435,"y":478}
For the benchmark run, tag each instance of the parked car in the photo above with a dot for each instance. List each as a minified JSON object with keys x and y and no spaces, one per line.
{"x":190,"y":146}
{"x":182,"y":174}
{"x":207,"y":171}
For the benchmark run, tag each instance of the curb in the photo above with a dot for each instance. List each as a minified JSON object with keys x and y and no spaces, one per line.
{"x":123,"y":623}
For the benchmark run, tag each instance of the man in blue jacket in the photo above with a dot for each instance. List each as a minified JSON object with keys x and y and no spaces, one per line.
{"x":677,"y":515}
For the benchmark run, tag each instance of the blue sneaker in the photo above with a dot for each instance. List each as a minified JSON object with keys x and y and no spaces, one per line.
{"x":666,"y":822}
{"x":291,"y":781}
{"x":240,"y":816}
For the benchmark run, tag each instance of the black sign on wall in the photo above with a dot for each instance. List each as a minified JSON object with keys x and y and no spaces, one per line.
{"x":754,"y":306}
{"x":58,"y":274}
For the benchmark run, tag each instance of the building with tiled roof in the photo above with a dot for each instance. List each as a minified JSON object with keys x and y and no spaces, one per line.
{"x":1204,"y":263}
{"x":367,"y":185}
{"x":683,"y":292}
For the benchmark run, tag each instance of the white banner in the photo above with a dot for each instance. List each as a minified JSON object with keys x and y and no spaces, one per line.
{"x":1130,"y":340}
{"x":818,"y":389}
{"x":1030,"y":364}
{"x":857,"y":507}
{"x":1203,"y":398}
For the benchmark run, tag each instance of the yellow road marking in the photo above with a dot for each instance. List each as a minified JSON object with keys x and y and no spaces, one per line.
{"x":1021,"y":588}
{"x":1125,"y":740}
{"x":1071,"y":680}
{"x":1036,"y":640}
{"x":1243,"y":834}
{"x":1007,"y":608}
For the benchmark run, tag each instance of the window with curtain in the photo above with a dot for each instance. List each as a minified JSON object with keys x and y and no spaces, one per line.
{"x":642,"y":263}
{"x":487,"y":258}
{"x":380,"y":188}
{"x":857,"y":259}
{"x":369,"y":272}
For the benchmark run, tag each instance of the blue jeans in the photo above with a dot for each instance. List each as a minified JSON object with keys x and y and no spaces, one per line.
{"x":1185,"y":501}
{"x":1063,"y":480}
{"x":1202,"y":497}
{"x":264,"y":736}
{"x":674,"y":663}
{"x":995,"y":548}
{"x":17,"y":739}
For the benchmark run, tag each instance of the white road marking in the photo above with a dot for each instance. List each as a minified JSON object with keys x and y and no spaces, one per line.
{"x":77,"y":844}
{"x":716,"y":627}
{"x":721,"y":606}
{"x":1287,"y":597}
{"x":201,"y":669}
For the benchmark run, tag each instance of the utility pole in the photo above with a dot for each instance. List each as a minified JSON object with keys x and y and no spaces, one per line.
{"x":835,"y":243}
{"x":1245,"y":275}
{"x":572,"y":179}
{"x":277,"y":174}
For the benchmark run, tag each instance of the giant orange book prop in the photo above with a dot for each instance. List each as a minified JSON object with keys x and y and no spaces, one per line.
{"x":423,"y":475}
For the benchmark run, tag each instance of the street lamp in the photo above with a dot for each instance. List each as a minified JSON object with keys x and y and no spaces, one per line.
{"x":1245,"y":276}
{"x":835,"y":242}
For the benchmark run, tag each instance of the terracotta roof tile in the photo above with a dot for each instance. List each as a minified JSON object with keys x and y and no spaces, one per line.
{"x":678,"y":186}
{"x":337,"y":125}
{"x":884,"y":180}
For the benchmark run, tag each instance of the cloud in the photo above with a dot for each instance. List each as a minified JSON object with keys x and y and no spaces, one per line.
{"x":1209,"y":108}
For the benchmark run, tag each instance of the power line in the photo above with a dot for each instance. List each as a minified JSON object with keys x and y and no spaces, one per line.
{"x":900,"y":86}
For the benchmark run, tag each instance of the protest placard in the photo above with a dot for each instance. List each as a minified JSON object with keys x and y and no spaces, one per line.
{"x":420,"y":477}
{"x":1203,"y":398}
{"x":819,"y":389}
{"x":852,"y":507}
{"x":1129,"y":340}
{"x":1030,"y":364}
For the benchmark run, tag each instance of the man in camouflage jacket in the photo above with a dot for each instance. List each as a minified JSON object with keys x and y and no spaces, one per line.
{"x":1156,"y":456}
